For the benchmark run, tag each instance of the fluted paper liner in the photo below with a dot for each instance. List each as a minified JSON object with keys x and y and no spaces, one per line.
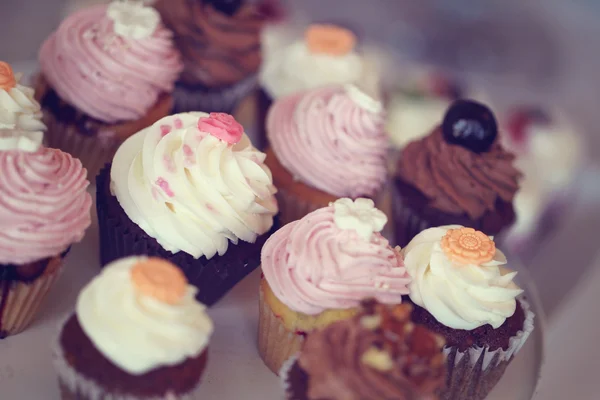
{"x":293,"y":208}
{"x":284,"y":373}
{"x":275,"y":343}
{"x":23,"y":299}
{"x":472,"y":374}
{"x":75,"y":386}
{"x":199,"y":98}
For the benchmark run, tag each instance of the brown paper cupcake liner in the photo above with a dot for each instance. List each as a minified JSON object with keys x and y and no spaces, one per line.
{"x":472,"y":374}
{"x":75,"y":386}
{"x":120,"y":237}
{"x":293,"y":208}
{"x":275,"y":343}
{"x":201,"y":98}
{"x":21,"y":300}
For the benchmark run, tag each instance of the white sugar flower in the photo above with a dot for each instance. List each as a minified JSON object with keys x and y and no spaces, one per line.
{"x":132,"y":19}
{"x":359,"y":215}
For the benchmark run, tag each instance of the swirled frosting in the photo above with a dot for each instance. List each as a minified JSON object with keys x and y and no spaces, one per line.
{"x":332,"y":139}
{"x":137,"y":332}
{"x":191,"y":191}
{"x":218,"y":49}
{"x":290,"y":68}
{"x":457,"y":180}
{"x":19,"y":110}
{"x":108,"y":76}
{"x":44,"y":205}
{"x":459,"y":295}
{"x":379,"y":354}
{"x":312,"y":265}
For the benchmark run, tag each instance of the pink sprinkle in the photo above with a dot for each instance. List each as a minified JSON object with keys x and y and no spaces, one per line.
{"x":211,"y":208}
{"x":178,"y":123}
{"x":165,"y":129}
{"x":169,"y":164}
{"x":187,"y":150}
{"x":164,"y":185}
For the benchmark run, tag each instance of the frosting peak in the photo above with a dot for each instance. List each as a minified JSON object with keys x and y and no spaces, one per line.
{"x":29,"y":142}
{"x":458,"y":276}
{"x":103,"y":61}
{"x":18,"y":108}
{"x":136,"y":330}
{"x":328,"y":141}
{"x":189,"y":189}
{"x":312,"y":265}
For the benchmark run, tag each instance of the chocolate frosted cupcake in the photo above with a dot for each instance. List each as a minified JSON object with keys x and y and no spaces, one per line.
{"x":378,"y":354}
{"x":190,"y":189}
{"x":220,"y":44}
{"x":137,"y":334}
{"x":317,"y":270}
{"x":463,"y":291}
{"x":44,"y":208}
{"x":326,"y":143}
{"x":107,"y":72}
{"x":459,"y":174}
{"x":326,"y":55}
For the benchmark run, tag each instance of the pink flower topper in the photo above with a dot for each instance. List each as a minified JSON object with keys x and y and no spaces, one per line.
{"x":222,"y":126}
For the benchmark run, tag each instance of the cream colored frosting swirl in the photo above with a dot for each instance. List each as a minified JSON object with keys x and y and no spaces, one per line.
{"x":291,"y":67}
{"x":139,"y":333}
{"x":191,"y":191}
{"x":460,"y":296}
{"x":19,"y":110}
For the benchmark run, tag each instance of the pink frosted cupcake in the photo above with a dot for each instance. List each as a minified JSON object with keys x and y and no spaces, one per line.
{"x":318,"y":269}
{"x":44,"y":208}
{"x":325,"y":143}
{"x":107,"y":72}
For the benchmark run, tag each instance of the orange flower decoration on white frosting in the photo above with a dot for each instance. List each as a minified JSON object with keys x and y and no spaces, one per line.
{"x":468,"y":246}
{"x":329,"y":39}
{"x":159,"y":279}
{"x":7,"y":76}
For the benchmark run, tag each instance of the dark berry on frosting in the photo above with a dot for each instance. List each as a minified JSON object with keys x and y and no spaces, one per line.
{"x":229,"y":7}
{"x":471,"y":125}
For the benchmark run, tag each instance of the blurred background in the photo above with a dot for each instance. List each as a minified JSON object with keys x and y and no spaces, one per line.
{"x":543,"y":52}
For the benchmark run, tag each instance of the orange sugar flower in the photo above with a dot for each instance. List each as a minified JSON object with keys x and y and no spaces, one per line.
{"x":329,"y":39}
{"x":7,"y":76}
{"x":468,"y":246}
{"x":159,"y":279}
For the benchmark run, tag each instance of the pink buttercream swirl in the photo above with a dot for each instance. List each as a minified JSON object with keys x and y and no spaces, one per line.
{"x":44,"y":205}
{"x":109,"y":77}
{"x":329,"y":141}
{"x":312,"y":265}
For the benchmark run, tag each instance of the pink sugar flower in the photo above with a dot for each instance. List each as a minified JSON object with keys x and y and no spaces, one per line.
{"x":222,"y":126}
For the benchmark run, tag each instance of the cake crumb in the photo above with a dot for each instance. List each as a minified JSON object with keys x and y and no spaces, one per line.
{"x":371,"y":322}
{"x":377,"y":359}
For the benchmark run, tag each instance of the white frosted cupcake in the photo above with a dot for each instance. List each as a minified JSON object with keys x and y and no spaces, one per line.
{"x":137,"y":333}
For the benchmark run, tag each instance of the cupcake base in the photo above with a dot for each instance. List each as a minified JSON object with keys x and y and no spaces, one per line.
{"x":23,"y":289}
{"x":88,"y":139}
{"x":188,"y":97}
{"x":477,"y":359}
{"x":85,"y":374}
{"x":412,"y":214}
{"x":120,"y":237}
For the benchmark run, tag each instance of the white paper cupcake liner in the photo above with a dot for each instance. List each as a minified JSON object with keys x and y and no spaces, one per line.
{"x":75,"y":386}
{"x":284,"y":371}
{"x":275,"y":343}
{"x":473,"y":373}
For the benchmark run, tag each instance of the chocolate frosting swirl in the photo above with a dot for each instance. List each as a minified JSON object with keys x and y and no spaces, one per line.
{"x":218,"y":49}
{"x":457,"y":180}
{"x":379,"y":354}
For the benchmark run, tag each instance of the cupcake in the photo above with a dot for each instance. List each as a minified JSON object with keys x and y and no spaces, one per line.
{"x":549,"y":151}
{"x":416,"y":109}
{"x":190,"y":189}
{"x":106,"y":73}
{"x":463,"y":291}
{"x":44,"y":208}
{"x":326,"y":55}
{"x":459,"y":174}
{"x":220,"y":45}
{"x":137,"y":334}
{"x":325,"y":143}
{"x":318,"y":269}
{"x":378,"y":354}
